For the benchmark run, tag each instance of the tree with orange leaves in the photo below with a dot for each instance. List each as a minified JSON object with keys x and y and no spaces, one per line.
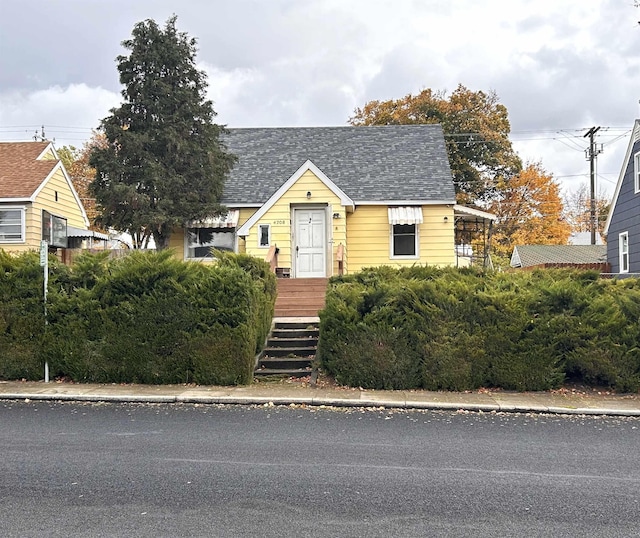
{"x":529,"y":211}
{"x":476,"y":129}
{"x":76,"y":163}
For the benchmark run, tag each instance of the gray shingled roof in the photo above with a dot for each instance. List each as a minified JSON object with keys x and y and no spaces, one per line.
{"x":381,"y":163}
{"x":530,"y":255}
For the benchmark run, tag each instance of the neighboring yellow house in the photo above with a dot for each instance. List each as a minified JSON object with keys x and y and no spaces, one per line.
{"x":321,"y":201}
{"x":38,"y":201}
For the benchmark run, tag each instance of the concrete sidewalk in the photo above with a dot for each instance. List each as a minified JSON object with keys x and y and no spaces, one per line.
{"x":283,"y":393}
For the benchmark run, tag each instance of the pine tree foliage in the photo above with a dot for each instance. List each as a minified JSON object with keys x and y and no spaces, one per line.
{"x":164,"y":163}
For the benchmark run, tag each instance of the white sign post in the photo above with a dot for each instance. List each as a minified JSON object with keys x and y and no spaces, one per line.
{"x":44,"y":262}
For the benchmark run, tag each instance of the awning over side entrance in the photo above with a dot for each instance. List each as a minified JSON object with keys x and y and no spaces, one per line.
{"x":230,"y":220}
{"x":405,"y":215}
{"x":86,"y":234}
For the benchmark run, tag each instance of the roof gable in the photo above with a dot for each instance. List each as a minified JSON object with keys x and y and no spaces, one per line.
{"x":368,"y":164}
{"x":635,"y":136}
{"x":22,"y":168}
{"x":25,"y":168}
{"x":307,"y":166}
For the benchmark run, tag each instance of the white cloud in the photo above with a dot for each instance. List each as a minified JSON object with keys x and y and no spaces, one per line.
{"x":557,"y":65}
{"x":67,"y":114}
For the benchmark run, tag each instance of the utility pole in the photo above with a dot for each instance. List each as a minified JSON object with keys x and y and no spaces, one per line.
{"x":592,"y":155}
{"x":40,"y":137}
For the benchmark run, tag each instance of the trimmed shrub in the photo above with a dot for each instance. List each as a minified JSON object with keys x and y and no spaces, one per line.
{"x":21,"y":316}
{"x":465,"y":329}
{"x":144,"y":318}
{"x":377,"y":357}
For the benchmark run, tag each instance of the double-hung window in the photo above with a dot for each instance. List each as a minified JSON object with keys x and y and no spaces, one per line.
{"x":623,"y":246}
{"x":12,"y":226}
{"x":405,"y":241}
{"x":636,"y":173}
{"x":404,"y":223}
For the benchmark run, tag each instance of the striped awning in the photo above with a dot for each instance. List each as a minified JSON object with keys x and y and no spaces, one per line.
{"x":405,"y":215}
{"x":86,"y":234}
{"x":230,"y":220}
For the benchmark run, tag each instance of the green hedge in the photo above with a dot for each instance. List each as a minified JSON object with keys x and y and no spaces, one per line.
{"x":145,"y":318}
{"x":21,"y":316}
{"x":461,"y":329}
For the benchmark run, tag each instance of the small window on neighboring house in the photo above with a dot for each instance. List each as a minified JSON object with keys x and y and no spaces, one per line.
{"x":202,"y":241}
{"x":636,"y":173}
{"x":404,"y":241}
{"x":264,"y":235}
{"x":12,"y":225}
{"x":54,"y":230}
{"x":623,"y":245}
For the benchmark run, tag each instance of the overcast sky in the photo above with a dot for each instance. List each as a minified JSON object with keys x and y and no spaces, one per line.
{"x":559,"y":66}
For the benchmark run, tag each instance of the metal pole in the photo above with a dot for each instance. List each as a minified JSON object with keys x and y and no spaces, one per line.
{"x":592,"y":154}
{"x":44,"y":262}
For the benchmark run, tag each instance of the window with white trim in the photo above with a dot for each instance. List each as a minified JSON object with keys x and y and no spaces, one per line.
{"x":12,"y":228}
{"x":404,"y":223}
{"x":636,"y":173}
{"x":404,"y":241}
{"x":264,"y":235}
{"x":623,"y":246}
{"x":200,"y":242}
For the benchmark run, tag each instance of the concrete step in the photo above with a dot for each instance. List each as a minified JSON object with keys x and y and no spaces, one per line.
{"x":307,"y":341}
{"x":297,"y":372}
{"x":297,"y":325}
{"x":284,"y":363}
{"x":304,"y":332}
{"x":291,"y":348}
{"x":300,"y":351}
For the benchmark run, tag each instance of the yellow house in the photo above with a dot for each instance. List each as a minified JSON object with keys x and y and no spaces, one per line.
{"x":321,"y":201}
{"x":38,"y":201}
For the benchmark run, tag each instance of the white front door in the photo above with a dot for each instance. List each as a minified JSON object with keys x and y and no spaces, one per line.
{"x":310,"y":243}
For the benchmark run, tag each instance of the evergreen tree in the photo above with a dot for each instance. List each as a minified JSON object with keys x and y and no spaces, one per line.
{"x":164,"y":163}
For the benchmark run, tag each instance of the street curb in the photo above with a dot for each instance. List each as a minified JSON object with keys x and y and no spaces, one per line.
{"x":322,"y":402}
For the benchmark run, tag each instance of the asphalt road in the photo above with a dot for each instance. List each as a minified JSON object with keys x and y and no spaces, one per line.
{"x":183,"y":470}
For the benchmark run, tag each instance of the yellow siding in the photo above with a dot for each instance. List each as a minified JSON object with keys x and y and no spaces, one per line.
{"x":245,"y":215}
{"x":66,"y":206}
{"x":368,"y":238}
{"x":48,"y":155}
{"x":279,"y":217}
{"x":176,"y":243}
{"x":364,"y":233}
